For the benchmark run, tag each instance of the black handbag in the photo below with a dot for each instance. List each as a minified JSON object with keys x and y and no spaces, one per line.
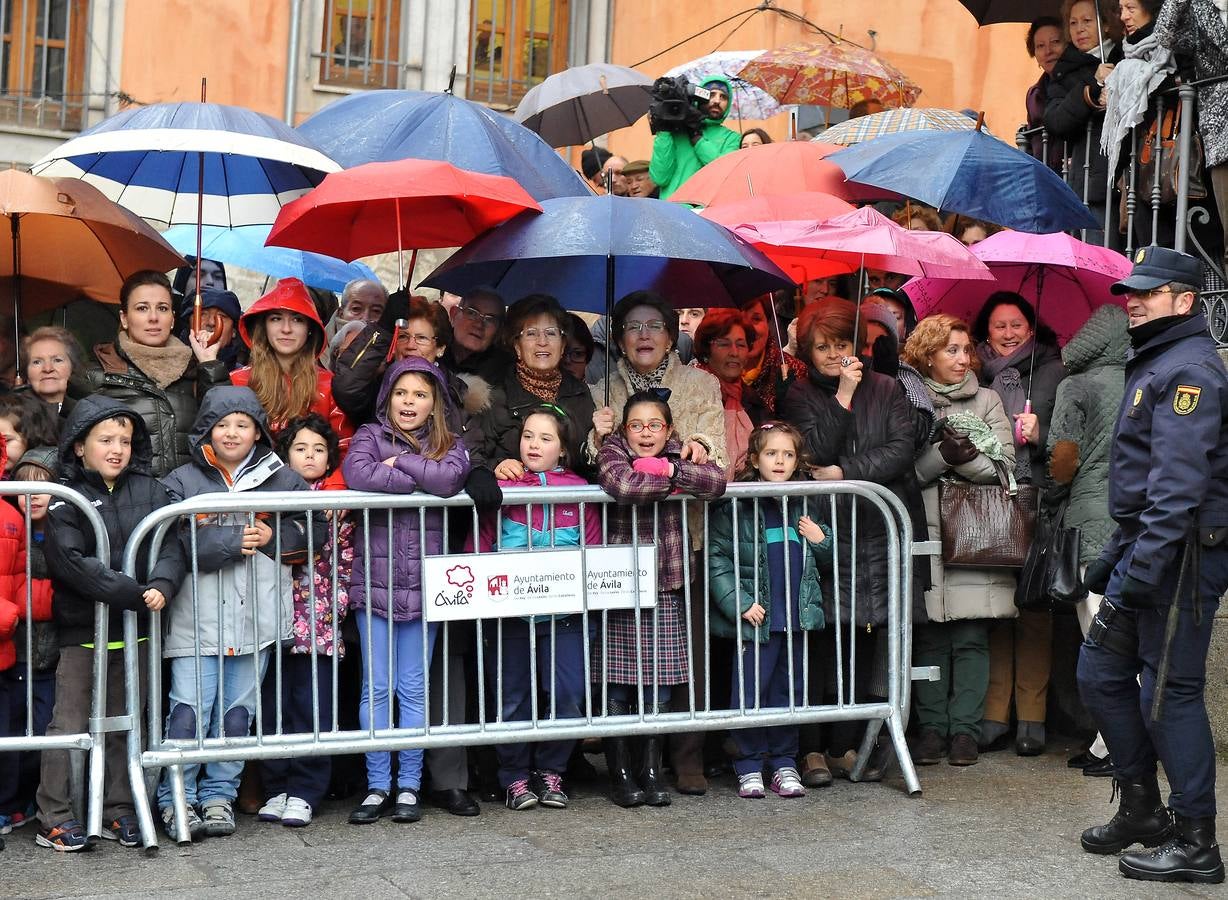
{"x":1050,"y":574}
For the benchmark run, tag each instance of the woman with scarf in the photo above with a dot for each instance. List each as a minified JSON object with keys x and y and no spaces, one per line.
{"x":1020,"y":361}
{"x":973,"y":441}
{"x":722,"y":344}
{"x":150,"y":370}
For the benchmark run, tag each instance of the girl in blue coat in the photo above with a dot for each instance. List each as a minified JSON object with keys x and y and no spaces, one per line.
{"x":409,"y":448}
{"x":767,"y":599}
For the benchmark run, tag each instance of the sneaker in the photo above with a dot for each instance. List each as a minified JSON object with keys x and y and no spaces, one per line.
{"x":196,"y":826}
{"x":6,"y":824}
{"x":750,"y":786}
{"x":67,"y":837}
{"x":519,"y":796}
{"x":372,"y":807}
{"x":125,"y":830}
{"x":787,"y":783}
{"x":19,"y":819}
{"x":297,"y":813}
{"x":407,"y":807}
{"x":549,"y":789}
{"x":273,"y":810}
{"x":219,"y":816}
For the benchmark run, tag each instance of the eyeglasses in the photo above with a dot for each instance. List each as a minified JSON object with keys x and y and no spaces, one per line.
{"x":576,"y":354}
{"x":418,"y":340}
{"x":656,"y":326}
{"x":656,"y":426}
{"x":533,"y":334}
{"x":1145,"y":295}
{"x":477,"y":317}
{"x":727,"y":344}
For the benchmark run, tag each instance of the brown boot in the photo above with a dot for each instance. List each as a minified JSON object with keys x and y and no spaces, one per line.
{"x":814,"y":771}
{"x":963,"y":750}
{"x":687,"y":758}
{"x":251,"y":790}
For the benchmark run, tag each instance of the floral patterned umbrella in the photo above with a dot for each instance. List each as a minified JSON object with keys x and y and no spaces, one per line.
{"x":829,"y":73}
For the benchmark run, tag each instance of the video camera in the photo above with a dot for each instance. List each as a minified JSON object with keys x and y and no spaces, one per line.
{"x":678,"y":105}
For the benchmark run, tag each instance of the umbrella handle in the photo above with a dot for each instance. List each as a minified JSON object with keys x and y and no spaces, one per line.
{"x":1027,"y":410}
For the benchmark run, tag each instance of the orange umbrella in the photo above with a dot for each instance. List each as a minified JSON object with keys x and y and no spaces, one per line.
{"x":68,"y":240}
{"x":830,"y":73}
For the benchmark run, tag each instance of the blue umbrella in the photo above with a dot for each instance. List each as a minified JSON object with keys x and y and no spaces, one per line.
{"x":971,"y":173}
{"x":148,"y":161}
{"x":382,"y":126}
{"x":245,"y":247}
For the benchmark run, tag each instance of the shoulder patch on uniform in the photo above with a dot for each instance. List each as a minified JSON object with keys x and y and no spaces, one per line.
{"x":1138,"y":396}
{"x":1185,"y":400}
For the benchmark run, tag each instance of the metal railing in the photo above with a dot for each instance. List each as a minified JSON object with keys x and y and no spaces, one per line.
{"x":99,"y":724}
{"x":696,"y":706}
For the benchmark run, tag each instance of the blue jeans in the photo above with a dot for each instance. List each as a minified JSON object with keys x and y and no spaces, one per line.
{"x":240,"y":677}
{"x":777,"y":745}
{"x":374,"y":705}
{"x":566,"y":687}
{"x":26,"y":762}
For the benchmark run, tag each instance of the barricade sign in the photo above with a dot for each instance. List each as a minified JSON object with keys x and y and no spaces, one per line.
{"x":465,"y":586}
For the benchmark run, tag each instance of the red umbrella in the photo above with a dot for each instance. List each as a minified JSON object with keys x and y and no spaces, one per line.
{"x":804,"y":206}
{"x":383,"y":207}
{"x":786,"y":167}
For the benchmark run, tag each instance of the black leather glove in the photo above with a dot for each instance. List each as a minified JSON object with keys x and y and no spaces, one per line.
{"x":885,"y":355}
{"x":1137,"y":594}
{"x":483,"y":489}
{"x":1096,"y":578}
{"x":956,"y":448}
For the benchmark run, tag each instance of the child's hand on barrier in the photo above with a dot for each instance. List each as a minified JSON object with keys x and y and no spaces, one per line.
{"x":509,"y":470}
{"x":264,"y":531}
{"x":810,"y":530}
{"x":695,"y":452}
{"x":154,"y":599}
{"x":653,"y":465}
{"x":755,"y":614}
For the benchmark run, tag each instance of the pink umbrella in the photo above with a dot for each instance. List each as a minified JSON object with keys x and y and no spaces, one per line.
{"x":1063,"y":277}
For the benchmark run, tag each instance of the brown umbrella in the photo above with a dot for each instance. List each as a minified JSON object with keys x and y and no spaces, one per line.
{"x":68,"y":240}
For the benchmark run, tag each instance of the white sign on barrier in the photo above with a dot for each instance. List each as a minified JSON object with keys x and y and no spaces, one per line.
{"x":467,"y":586}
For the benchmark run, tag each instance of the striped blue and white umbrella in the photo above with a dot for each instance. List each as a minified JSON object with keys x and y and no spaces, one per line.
{"x":147,"y":160}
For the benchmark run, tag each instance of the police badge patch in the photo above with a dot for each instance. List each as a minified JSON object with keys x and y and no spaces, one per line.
{"x":1185,"y":401}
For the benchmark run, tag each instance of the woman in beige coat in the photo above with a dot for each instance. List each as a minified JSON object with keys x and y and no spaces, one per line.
{"x":961,"y":602}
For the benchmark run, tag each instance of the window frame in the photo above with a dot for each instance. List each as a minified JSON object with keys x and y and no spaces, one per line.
{"x":19,"y":45}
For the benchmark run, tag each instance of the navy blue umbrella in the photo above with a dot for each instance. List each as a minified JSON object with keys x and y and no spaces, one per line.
{"x":382,"y":126}
{"x":971,"y":173}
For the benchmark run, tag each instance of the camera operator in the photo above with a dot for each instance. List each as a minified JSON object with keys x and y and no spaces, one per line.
{"x":682,"y":148}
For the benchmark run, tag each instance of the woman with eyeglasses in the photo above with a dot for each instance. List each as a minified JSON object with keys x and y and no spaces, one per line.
{"x":536,"y":333}
{"x":722,"y":347}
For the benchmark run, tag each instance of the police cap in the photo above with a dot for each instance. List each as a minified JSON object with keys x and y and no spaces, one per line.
{"x":1155,"y":267}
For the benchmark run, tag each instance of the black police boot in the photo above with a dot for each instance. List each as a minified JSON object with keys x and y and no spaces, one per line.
{"x":1140,"y":819}
{"x":656,"y":793}
{"x":1191,"y":854}
{"x":624,"y":790}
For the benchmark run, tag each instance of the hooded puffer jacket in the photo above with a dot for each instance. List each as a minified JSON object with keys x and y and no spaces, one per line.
{"x":291,"y":294}
{"x":365,"y":470}
{"x":1081,"y":433}
{"x":12,"y":573}
{"x":79,"y":579}
{"x":675,"y":158}
{"x":244,"y":602}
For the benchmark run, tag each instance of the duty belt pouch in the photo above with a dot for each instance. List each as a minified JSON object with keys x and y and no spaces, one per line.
{"x":1212,"y":535}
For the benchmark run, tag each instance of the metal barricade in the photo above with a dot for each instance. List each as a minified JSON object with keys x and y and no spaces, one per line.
{"x":93,"y":739}
{"x":851,"y":510}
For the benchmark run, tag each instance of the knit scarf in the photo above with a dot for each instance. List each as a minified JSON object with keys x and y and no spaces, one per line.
{"x":644,"y":381}
{"x":538,"y":383}
{"x":1130,"y":86}
{"x":1002,"y":373}
{"x":944,"y":390}
{"x":162,"y":365}
{"x":731,"y":391}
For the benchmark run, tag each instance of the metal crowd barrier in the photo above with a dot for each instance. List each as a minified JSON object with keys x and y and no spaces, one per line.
{"x":94,"y":739}
{"x":702,"y":706}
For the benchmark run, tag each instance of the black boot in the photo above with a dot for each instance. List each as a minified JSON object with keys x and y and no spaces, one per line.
{"x":653,"y":780}
{"x":624,"y":790}
{"x":1191,"y":854}
{"x":1140,"y":819}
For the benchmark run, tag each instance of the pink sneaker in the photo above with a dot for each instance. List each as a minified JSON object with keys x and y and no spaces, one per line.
{"x":787,"y":783}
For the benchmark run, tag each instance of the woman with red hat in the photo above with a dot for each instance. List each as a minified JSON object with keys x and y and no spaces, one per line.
{"x":285,"y":335}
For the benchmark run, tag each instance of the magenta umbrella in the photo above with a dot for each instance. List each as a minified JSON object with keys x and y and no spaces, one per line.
{"x":1064,"y":278}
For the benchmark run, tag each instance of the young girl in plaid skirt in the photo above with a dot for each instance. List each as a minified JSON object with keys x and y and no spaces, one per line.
{"x":640,"y":465}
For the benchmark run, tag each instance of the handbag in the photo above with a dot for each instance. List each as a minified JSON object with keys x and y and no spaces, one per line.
{"x":986,"y":526}
{"x":1170,"y":163}
{"x":1050,"y":574}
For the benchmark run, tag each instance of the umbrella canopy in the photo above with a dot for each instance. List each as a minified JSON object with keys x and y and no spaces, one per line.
{"x":576,"y":105}
{"x":989,"y":12}
{"x":748,"y":101}
{"x":147,"y":160}
{"x":575,"y":243}
{"x":829,"y":73}
{"x":785,"y":167}
{"x":388,"y":206}
{"x":245,"y":247}
{"x":380,"y":126}
{"x":893,"y":121}
{"x":971,"y":173}
{"x":863,"y":237}
{"x":1063,"y":277}
{"x":804,"y":206}
{"x":64,"y":239}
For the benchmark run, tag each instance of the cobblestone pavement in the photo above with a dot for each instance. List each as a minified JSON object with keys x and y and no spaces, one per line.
{"x":1007,"y":827}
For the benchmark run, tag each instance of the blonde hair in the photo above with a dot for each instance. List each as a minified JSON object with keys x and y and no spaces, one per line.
{"x":439,"y":436}
{"x":285,"y":395}
{"x":931,"y":335}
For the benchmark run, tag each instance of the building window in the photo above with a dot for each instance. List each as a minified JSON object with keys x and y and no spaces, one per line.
{"x":514,"y":45}
{"x":361,"y":44}
{"x":42,"y":62}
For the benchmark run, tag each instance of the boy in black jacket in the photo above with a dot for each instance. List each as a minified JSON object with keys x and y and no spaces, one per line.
{"x":105,"y":454}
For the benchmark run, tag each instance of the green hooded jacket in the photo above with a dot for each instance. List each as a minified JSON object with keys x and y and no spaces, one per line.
{"x":675,"y":158}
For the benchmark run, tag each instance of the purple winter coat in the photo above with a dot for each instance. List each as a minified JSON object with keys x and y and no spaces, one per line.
{"x":364,"y":470}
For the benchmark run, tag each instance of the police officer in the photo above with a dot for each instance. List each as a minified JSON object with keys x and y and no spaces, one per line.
{"x":1162,"y":574}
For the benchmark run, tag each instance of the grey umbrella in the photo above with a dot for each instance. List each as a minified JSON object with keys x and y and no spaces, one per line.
{"x":577,"y":105}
